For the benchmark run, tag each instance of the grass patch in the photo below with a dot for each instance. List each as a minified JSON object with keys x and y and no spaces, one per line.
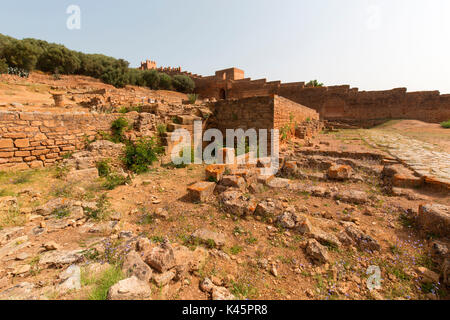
{"x":63,"y":191}
{"x":243,"y":290}
{"x":12,"y":218}
{"x":445,"y":124}
{"x":234,"y":250}
{"x":102,"y":283}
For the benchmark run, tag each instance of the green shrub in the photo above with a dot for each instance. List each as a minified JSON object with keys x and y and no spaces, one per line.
{"x":101,"y":211}
{"x":183,"y":83}
{"x":115,"y":77}
{"x":165,"y":82}
{"x":314,"y":83}
{"x":21,"y":54}
{"x":118,"y":127}
{"x":3,"y":66}
{"x":161,"y":129}
{"x":114,"y":180}
{"x":446,"y":124}
{"x":192,"y":98}
{"x":103,"y":168}
{"x":152,"y":79}
{"x":58,"y":58}
{"x":141,"y":154}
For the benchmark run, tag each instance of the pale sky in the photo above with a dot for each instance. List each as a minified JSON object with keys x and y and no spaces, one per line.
{"x":369,"y":44}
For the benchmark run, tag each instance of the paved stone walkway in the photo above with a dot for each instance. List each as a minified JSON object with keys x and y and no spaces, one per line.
{"x":418,"y":155}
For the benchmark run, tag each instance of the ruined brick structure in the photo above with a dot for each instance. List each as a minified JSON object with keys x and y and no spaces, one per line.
{"x":264,"y":112}
{"x":342,"y":103}
{"x":35,"y":140}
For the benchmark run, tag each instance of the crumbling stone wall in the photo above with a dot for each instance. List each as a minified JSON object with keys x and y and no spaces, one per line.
{"x":35,"y":140}
{"x":365,"y":108}
{"x":264,"y":112}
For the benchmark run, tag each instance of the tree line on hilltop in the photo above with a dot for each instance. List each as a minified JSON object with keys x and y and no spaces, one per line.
{"x":20,"y":57}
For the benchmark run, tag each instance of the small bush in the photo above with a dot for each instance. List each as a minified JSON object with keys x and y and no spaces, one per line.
{"x":165,"y":82}
{"x":161,"y":129}
{"x":446,"y":124}
{"x":103,"y":168}
{"x":114,"y":180}
{"x":141,"y":154}
{"x":183,"y":84}
{"x":192,"y":98}
{"x":3,"y":66}
{"x":118,"y":127}
{"x":101,"y":211}
{"x":61,"y":171}
{"x":314,"y":83}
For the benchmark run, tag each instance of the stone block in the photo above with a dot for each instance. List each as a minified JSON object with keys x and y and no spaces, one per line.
{"x":201,"y":191}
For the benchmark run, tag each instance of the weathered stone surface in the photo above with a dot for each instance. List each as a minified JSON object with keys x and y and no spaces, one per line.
{"x":13,"y":245}
{"x":427,"y":275}
{"x":134,"y":265}
{"x":398,"y":176}
{"x":317,"y":252}
{"x":52,"y":205}
{"x":215,"y":172}
{"x":7,"y":202}
{"x":278,"y":183}
{"x":236,"y":203}
{"x":161,"y":258}
{"x":83,"y":175}
{"x":266,"y":209}
{"x":7,"y":233}
{"x":362,"y":240}
{"x":289,"y":218}
{"x":217,"y":292}
{"x":21,"y":291}
{"x":325,"y":238}
{"x":446,"y":272}
{"x":70,"y":279}
{"x":290,"y":168}
{"x":130,"y":289}
{"x":187,"y":260}
{"x":201,"y":191}
{"x":222,"y":293}
{"x":163,"y":279}
{"x":206,"y":236}
{"x":303,"y":225}
{"x":233,"y":182}
{"x":59,"y":259}
{"x":340,"y":172}
{"x":352,"y":196}
{"x":434,"y":218}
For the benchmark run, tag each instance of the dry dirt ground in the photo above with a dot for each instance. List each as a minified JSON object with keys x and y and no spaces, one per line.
{"x":260,"y":258}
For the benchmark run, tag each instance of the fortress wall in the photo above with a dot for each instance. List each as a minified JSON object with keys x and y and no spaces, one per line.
{"x":338,"y":102}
